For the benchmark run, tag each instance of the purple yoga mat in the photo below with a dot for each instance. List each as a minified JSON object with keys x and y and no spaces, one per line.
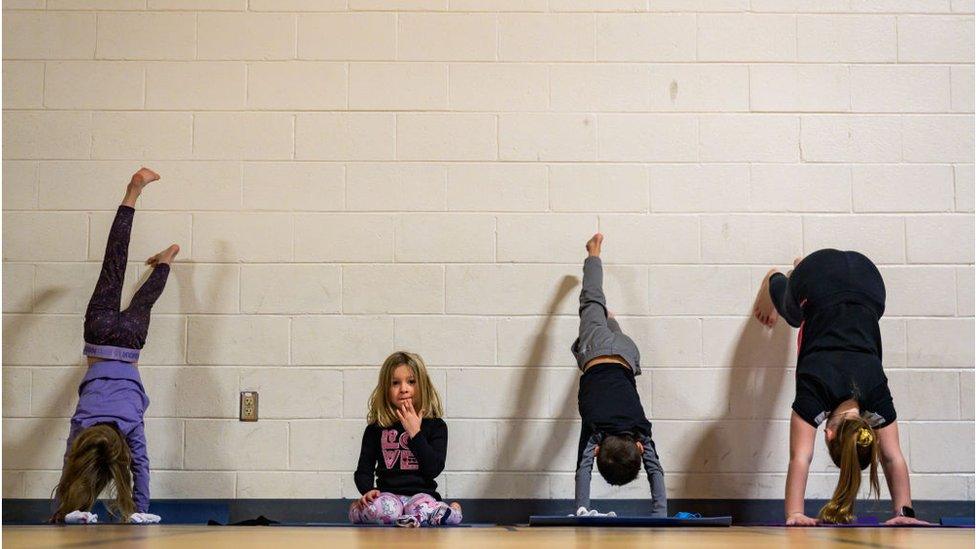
{"x":859,"y":522}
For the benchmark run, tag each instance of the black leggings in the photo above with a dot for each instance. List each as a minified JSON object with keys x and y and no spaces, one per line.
{"x":824,"y":278}
{"x":105,"y":324}
{"x":836,"y":299}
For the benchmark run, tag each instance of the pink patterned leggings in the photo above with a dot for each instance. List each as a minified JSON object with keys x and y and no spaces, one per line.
{"x":387,"y":508}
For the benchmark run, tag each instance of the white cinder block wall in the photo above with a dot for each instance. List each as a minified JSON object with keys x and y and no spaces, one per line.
{"x":350,"y":177}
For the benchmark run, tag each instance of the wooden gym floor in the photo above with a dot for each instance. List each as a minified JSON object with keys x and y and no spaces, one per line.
{"x":217,"y":537}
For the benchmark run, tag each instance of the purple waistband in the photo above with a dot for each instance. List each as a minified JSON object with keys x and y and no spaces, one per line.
{"x":113,"y":353}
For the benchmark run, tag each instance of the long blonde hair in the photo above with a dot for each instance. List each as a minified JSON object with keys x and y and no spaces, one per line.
{"x":853,"y":449}
{"x":99,"y":456}
{"x":382,"y":411}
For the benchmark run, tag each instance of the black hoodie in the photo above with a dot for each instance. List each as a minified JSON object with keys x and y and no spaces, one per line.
{"x":400,"y":464}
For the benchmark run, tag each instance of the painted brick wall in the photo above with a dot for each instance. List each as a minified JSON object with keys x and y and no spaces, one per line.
{"x":349,"y":177}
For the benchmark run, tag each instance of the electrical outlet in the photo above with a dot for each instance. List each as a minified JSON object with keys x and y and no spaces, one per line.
{"x":249,"y":405}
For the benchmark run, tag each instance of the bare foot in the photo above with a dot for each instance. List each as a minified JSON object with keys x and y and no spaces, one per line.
{"x":456,"y":506}
{"x":763,"y":309}
{"x":594,"y":245}
{"x":143,"y":177}
{"x":139,"y":180}
{"x":166,"y":256}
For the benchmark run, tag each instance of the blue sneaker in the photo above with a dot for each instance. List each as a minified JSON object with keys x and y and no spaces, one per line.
{"x":684,"y":515}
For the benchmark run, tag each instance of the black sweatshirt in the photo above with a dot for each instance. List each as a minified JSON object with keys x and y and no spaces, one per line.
{"x":400,"y":464}
{"x":609,"y":403}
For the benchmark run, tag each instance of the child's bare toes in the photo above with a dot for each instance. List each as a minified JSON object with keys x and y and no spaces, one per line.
{"x":763,"y":308}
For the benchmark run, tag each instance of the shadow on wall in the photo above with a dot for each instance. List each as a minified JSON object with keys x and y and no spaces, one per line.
{"x":201,"y":376}
{"x":26,"y":447}
{"x":757,"y":374}
{"x":531,"y":389}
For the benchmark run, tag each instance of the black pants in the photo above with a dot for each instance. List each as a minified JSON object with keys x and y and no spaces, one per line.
{"x":105,"y":324}
{"x":836,"y":298}
{"x":823,"y":278}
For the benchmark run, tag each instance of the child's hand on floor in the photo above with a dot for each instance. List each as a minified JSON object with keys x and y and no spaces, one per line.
{"x":594,"y":245}
{"x":368,"y":498}
{"x":80,"y":517}
{"x":144,"y":518}
{"x":799,"y":519}
{"x":584,"y":512}
{"x":902,"y":521}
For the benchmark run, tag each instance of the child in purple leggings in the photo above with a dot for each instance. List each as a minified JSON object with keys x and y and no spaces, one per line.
{"x":410,"y":511}
{"x":107,"y":441}
{"x":404,"y":448}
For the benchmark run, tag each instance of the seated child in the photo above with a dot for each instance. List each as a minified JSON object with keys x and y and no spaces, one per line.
{"x":615,"y":430}
{"x":404,"y":449}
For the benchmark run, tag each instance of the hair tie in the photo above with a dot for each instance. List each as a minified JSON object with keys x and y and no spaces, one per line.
{"x":864,"y":437}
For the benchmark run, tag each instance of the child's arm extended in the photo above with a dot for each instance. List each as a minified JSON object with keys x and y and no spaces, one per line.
{"x":655,"y":476}
{"x":801,"y":454}
{"x":365,"y":475}
{"x":584,"y":466}
{"x":896,"y":473}
{"x":429,"y":446}
{"x":140,"y":468}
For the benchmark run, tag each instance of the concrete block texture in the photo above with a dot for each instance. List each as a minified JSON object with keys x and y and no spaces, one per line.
{"x":348,"y":178}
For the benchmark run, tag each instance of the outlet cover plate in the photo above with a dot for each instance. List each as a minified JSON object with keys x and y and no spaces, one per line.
{"x":249,"y":406}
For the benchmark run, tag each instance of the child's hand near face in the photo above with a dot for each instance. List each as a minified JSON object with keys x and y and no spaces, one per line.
{"x":409,"y":418}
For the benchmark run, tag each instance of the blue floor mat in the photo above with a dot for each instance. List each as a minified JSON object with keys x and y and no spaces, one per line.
{"x":559,"y":520}
{"x":176,"y":512}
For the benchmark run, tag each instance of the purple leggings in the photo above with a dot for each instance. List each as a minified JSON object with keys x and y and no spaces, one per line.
{"x":387,"y":508}
{"x":105,"y":324}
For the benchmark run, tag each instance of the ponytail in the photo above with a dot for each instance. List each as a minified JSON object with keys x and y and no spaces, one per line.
{"x":854,"y":448}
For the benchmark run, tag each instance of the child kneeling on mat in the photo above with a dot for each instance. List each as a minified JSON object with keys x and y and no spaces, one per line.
{"x":404,"y":448}
{"x":615,"y":430}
